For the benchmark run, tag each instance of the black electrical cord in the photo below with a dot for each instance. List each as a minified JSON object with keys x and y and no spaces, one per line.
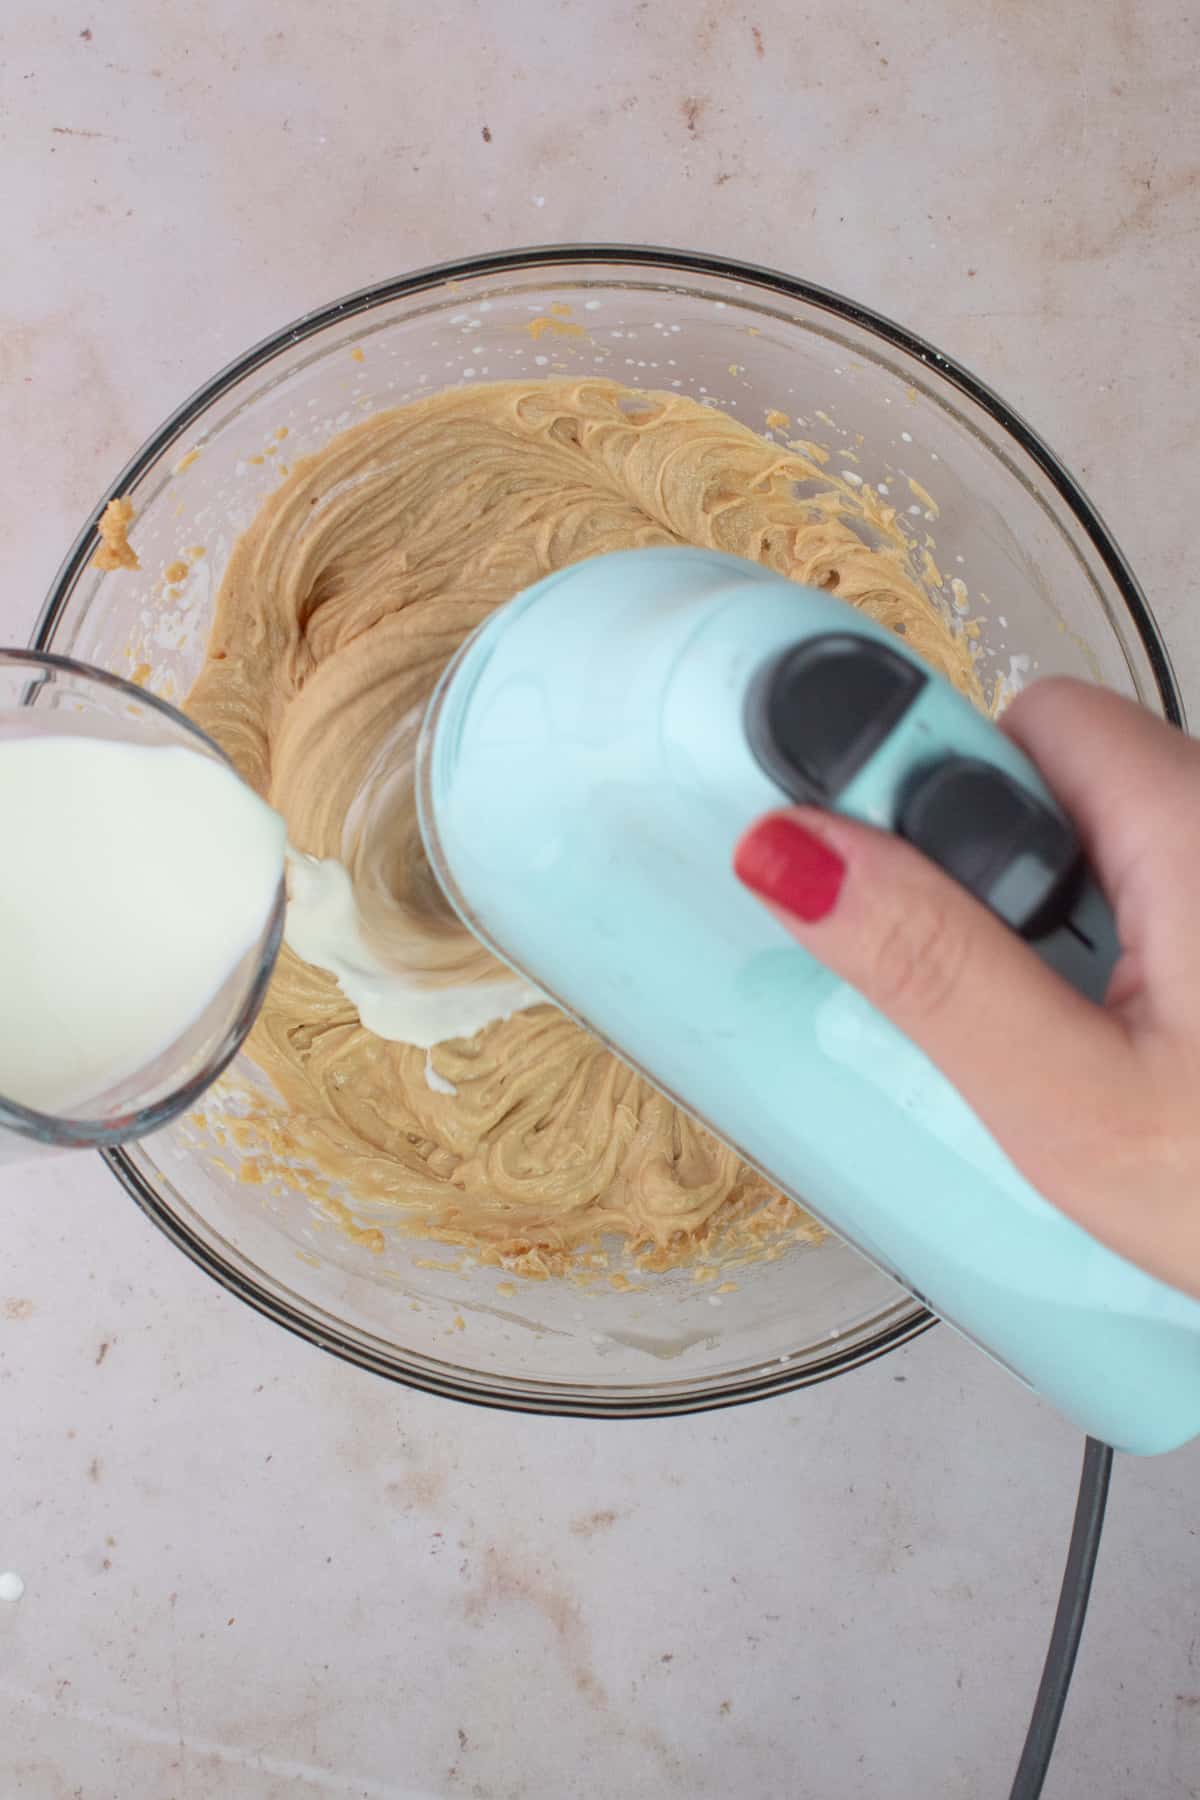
{"x":1068,"y":1622}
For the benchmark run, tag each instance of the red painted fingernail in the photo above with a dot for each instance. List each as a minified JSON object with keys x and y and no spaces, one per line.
{"x":787,"y":865}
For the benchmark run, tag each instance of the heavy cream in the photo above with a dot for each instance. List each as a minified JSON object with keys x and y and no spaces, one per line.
{"x":405,"y":1006}
{"x":133,"y":880}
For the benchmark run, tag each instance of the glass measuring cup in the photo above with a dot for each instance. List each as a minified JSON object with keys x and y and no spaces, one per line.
{"x":47,"y":695}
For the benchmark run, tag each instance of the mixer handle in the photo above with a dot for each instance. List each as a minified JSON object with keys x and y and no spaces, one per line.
{"x":818,"y":713}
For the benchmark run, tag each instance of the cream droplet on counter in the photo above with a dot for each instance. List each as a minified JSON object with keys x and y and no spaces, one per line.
{"x":11,"y":1586}
{"x":323,"y":927}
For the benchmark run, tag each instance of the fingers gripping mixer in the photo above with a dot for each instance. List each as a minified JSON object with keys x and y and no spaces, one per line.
{"x":822,"y":711}
{"x":587,"y":764}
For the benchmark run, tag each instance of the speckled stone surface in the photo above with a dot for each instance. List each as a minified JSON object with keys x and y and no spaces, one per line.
{"x":251,"y":1572}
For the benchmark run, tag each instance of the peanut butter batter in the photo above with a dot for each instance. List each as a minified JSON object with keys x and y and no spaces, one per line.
{"x":116,"y":551}
{"x":340,"y":606}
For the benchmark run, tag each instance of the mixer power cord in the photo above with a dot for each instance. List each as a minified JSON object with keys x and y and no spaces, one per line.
{"x":1068,"y":1622}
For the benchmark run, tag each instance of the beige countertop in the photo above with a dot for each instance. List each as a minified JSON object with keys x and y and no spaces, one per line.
{"x":253,"y":1572}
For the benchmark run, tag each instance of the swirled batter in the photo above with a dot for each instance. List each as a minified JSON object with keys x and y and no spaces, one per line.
{"x":340,"y":606}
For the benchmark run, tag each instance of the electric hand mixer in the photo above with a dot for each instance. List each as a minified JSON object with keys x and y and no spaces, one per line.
{"x":587,"y":764}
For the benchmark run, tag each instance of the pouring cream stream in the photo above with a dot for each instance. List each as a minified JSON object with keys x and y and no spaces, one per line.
{"x":135,"y":878}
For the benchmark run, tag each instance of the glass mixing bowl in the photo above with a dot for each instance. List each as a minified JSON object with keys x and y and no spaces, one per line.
{"x":1045,"y":582}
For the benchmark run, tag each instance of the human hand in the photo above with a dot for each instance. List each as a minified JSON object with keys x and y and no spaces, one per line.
{"x":1099,"y":1107}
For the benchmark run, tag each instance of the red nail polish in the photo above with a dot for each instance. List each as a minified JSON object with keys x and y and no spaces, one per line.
{"x":787,"y":865}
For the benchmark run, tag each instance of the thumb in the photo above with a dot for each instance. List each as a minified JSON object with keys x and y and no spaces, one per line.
{"x":1038,"y":1063}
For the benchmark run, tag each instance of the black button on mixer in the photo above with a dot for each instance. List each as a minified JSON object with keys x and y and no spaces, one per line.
{"x":817,"y":713}
{"x":995,"y":838}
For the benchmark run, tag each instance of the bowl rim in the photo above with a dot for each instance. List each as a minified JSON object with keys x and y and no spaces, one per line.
{"x":681,"y":262}
{"x":572,"y":1399}
{"x":577,"y":1400}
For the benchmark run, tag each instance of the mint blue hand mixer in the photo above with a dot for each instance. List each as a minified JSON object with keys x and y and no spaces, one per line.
{"x":586,"y":767}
